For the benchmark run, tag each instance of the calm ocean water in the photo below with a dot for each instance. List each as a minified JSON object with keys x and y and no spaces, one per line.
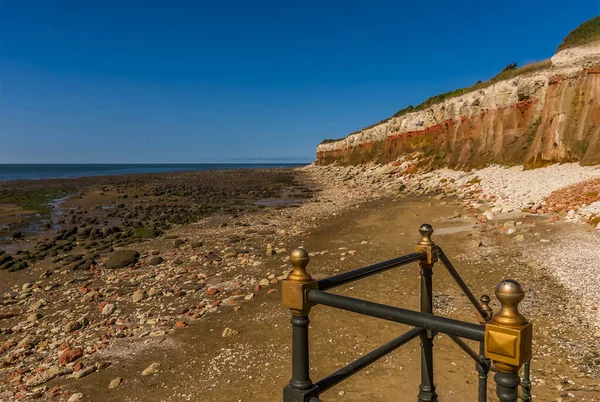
{"x":56,"y":171}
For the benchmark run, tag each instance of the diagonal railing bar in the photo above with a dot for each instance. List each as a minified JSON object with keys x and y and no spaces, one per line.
{"x":463,"y":345}
{"x":366,"y":360}
{"x":359,"y":273}
{"x":463,"y":286}
{"x":417,"y":319}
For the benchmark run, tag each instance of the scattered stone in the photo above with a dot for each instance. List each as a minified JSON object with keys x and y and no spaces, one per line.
{"x":115,"y":383}
{"x":121,"y":259}
{"x":476,"y":243}
{"x":227,"y":332}
{"x":85,"y":372}
{"x":70,"y":355}
{"x":139,"y":295}
{"x":34,"y":317}
{"x":155,"y":260}
{"x":72,"y":326}
{"x":151,"y":369}
{"x":76,"y":397}
{"x":108,"y":309}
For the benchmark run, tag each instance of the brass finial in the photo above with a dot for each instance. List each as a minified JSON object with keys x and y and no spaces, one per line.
{"x":485,"y":305}
{"x":509,"y":294}
{"x":426,"y":230}
{"x":299,"y":259}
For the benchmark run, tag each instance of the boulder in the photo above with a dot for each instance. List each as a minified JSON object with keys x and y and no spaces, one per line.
{"x":121,"y":259}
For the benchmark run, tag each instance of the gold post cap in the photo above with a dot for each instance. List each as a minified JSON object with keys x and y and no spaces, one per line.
{"x":426,"y":230}
{"x":509,"y":294}
{"x":299,"y":259}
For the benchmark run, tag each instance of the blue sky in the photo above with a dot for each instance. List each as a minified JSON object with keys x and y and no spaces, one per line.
{"x":131,"y":81}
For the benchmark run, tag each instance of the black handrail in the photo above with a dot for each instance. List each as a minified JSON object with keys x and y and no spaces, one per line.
{"x":359,"y":273}
{"x":417,"y":319}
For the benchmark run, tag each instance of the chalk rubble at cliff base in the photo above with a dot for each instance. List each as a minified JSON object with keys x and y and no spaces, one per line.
{"x":498,"y":193}
{"x":495,"y":189}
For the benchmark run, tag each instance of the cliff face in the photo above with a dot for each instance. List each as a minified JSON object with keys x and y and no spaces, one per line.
{"x":551,"y":115}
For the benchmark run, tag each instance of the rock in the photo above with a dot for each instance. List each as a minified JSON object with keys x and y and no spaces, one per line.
{"x":154,"y":292}
{"x":249,"y":296}
{"x":151,"y":369}
{"x":29,"y":340}
{"x":70,"y":355}
{"x":72,"y":326}
{"x":475,"y":243}
{"x":180,"y":324}
{"x":84,"y":232}
{"x":212,"y":291}
{"x":139,"y":295}
{"x":264,"y":282}
{"x":76,"y":397}
{"x":34,"y":317}
{"x":509,"y":224}
{"x":47,"y":273}
{"x":520,"y":238}
{"x":108,"y":309}
{"x":85,"y":372}
{"x":227,"y":332}
{"x":197,"y":244}
{"x":178,"y":242}
{"x":115,"y":383}
{"x":121,"y":259}
{"x":17,"y":235}
{"x":511,"y":231}
{"x":37,"y":305}
{"x":45,"y":376}
{"x":155,"y":260}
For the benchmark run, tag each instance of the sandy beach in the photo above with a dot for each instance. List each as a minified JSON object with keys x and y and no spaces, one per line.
{"x":191,"y":310}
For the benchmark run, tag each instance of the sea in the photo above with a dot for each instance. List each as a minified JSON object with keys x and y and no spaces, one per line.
{"x":9,"y":172}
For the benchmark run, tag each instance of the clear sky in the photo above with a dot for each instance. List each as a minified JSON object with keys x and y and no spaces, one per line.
{"x":130,"y":81}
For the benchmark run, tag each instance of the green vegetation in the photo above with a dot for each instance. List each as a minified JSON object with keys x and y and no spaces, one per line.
{"x":34,"y":200}
{"x":508,"y":72}
{"x":145,"y":233}
{"x":587,"y":32}
{"x":532,"y":131}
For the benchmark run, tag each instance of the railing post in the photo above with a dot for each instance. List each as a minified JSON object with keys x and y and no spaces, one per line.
{"x":508,"y":338}
{"x":427,"y":246}
{"x":294,"y":296}
{"x":483,"y":371}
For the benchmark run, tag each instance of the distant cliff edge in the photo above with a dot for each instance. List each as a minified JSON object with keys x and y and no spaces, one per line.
{"x":539,"y":114}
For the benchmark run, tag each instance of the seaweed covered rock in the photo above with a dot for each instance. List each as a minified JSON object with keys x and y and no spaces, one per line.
{"x":121,"y":259}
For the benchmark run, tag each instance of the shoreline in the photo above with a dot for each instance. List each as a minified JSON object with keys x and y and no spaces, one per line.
{"x":115,"y":169}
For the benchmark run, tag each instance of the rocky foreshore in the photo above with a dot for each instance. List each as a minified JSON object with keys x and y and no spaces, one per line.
{"x":74,"y":311}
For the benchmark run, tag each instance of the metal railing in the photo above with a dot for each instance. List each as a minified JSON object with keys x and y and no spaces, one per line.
{"x":505,"y":338}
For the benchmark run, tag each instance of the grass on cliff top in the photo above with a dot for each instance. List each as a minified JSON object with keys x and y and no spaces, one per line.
{"x":585,"y":33}
{"x":508,"y":72}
